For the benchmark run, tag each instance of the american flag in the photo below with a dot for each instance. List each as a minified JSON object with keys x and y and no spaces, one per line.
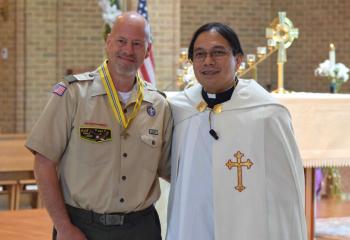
{"x":147,"y":69}
{"x":59,"y":89}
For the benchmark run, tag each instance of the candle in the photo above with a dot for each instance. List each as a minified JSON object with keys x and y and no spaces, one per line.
{"x":261,"y":51}
{"x":271,"y":44}
{"x":332,"y":54}
{"x":250,"y":59}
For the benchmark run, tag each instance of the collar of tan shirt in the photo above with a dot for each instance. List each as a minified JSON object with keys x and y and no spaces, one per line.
{"x":97,"y":89}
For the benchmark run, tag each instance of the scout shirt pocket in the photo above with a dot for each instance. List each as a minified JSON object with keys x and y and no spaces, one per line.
{"x":95,"y":142}
{"x":151,"y":151}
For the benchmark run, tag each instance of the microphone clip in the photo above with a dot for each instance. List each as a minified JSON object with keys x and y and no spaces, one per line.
{"x":213,"y":134}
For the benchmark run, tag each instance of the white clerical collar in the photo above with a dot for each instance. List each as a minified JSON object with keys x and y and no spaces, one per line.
{"x":211,"y":95}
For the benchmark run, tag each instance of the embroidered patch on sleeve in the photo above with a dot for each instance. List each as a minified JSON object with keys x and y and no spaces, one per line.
{"x":59,"y":89}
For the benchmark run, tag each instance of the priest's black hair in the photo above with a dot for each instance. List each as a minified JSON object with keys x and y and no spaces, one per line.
{"x":224,"y":31}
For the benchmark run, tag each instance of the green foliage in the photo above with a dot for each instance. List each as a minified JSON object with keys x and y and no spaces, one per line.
{"x":333,"y":182}
{"x":106,"y":31}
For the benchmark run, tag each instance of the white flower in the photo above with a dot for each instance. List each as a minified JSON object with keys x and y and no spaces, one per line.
{"x":109,"y":12}
{"x":338,"y":71}
{"x":342,"y":71}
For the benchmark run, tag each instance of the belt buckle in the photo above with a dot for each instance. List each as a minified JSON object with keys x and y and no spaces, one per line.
{"x":112,"y":219}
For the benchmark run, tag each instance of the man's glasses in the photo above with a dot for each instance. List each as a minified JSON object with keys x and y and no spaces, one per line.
{"x":121,"y":42}
{"x":216,"y":53}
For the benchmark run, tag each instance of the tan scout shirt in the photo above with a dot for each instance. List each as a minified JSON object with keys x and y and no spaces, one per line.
{"x":103,"y":167}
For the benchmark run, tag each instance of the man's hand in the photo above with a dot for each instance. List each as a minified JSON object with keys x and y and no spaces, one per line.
{"x":70,"y":232}
{"x":47,"y":179}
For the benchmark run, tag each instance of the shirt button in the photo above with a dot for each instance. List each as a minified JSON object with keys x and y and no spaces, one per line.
{"x":123,"y":178}
{"x":125,"y":135}
{"x":125,"y":154}
{"x":121,"y":200}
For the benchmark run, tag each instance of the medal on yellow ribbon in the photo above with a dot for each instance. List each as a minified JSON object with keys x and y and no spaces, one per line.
{"x":114,"y":99}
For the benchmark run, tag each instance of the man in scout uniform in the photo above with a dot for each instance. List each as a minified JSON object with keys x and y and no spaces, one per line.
{"x":107,"y":134}
{"x":234,"y":156}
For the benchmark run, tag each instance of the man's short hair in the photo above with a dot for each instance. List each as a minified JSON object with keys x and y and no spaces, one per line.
{"x":224,"y":30}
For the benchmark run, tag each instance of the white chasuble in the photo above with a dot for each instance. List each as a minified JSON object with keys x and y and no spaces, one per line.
{"x":248,"y":184}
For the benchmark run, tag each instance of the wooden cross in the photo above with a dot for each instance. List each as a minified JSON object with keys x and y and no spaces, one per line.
{"x":239,"y":164}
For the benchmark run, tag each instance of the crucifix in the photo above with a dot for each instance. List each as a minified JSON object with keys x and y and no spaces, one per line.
{"x":283,"y":33}
{"x":239,"y":165}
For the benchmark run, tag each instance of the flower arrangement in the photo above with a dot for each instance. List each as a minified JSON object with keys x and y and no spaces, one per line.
{"x":337,"y":73}
{"x":110,"y":11}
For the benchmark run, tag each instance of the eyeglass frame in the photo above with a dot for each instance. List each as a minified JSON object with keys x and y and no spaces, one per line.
{"x":122,"y":42}
{"x":211,"y":52}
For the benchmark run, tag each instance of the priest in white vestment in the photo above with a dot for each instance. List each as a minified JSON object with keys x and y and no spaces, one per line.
{"x":236,"y":169}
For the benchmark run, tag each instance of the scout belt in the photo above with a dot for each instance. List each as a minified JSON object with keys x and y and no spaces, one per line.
{"x":108,"y":219}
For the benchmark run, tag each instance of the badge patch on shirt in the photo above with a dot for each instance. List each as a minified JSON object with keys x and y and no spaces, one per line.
{"x":153,"y":131}
{"x":96,"y":134}
{"x":151,"y":111}
{"x":59,"y":89}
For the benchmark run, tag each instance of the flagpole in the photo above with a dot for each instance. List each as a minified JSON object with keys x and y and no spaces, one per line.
{"x":126,"y":4}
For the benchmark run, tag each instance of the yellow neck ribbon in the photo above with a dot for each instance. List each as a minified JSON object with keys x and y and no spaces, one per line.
{"x":114,"y":99}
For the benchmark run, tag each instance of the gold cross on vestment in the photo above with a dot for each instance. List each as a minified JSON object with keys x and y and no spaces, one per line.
{"x":239,"y":164}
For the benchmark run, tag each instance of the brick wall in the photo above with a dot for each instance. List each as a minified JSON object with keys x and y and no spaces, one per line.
{"x":8,"y":69}
{"x":60,"y":35}
{"x":320,"y":22}
{"x":248,"y":18}
{"x":80,"y":29}
{"x":46,"y":38}
{"x":20,"y":65}
{"x":40,"y":55}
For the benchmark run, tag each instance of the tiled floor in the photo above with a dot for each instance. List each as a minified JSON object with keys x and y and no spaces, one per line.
{"x":332,"y":208}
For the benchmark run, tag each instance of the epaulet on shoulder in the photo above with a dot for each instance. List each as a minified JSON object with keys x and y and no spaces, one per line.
{"x":150,"y":87}
{"x":162,"y":93}
{"x":88,"y":76}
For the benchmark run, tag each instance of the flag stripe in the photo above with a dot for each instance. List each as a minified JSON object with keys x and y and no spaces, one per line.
{"x":151,"y":58}
{"x":144,"y":73}
{"x":148,"y":65}
{"x":147,"y":70}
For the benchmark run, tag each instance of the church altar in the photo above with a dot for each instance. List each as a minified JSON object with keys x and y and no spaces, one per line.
{"x":321,"y":124}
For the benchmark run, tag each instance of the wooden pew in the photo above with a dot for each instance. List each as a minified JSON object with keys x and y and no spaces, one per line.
{"x":33,"y":224}
{"x":9,"y":189}
{"x":20,"y":191}
{"x":16,"y":162}
{"x":16,"y":165}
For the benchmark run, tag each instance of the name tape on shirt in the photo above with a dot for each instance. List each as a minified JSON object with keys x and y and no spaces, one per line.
{"x":153,"y":131}
{"x":95,"y":134}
